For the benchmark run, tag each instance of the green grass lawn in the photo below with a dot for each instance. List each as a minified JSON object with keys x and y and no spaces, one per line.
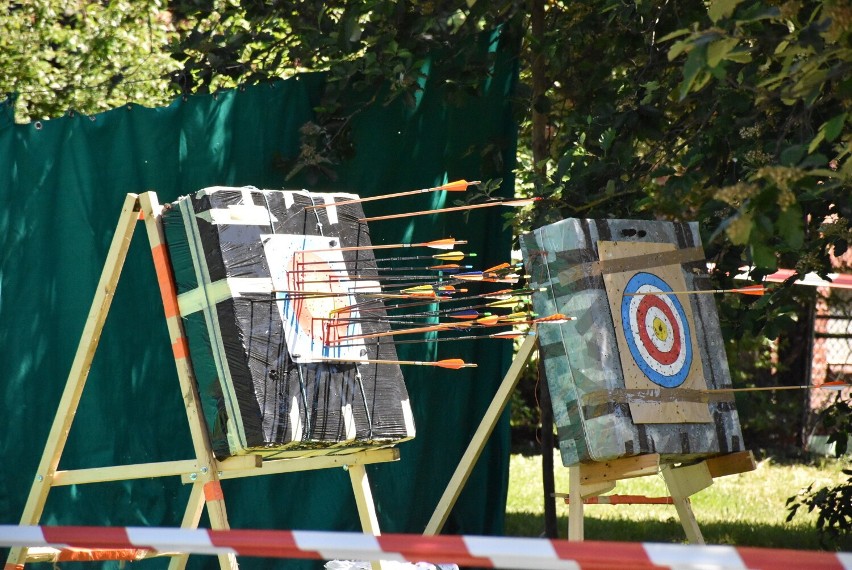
{"x":744,"y":510}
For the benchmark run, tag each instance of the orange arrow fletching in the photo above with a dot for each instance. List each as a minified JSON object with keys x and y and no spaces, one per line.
{"x":445,"y":266}
{"x":453,"y":364}
{"x":447,"y":243}
{"x":757,"y":290}
{"x":457,"y":186}
{"x":496,"y":268}
{"x":493,"y":319}
{"x":556,"y":318}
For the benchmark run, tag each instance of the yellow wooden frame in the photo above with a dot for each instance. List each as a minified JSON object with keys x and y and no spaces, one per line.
{"x":591,"y":478}
{"x":204,"y":472}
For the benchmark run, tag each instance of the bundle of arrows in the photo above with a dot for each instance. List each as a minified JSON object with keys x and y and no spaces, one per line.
{"x":430,"y":297}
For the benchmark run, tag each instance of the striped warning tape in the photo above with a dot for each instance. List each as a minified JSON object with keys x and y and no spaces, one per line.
{"x":486,"y":552}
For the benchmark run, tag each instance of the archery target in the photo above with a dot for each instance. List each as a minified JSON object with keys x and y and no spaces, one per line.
{"x":315,"y":296}
{"x":656,"y":330}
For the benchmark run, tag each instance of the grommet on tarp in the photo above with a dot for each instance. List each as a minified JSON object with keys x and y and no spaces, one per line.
{"x":37,"y":125}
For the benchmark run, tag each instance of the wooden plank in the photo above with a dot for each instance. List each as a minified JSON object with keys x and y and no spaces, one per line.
{"x":79,"y":372}
{"x":731,"y":464}
{"x":480,"y":438}
{"x":208,"y":474}
{"x":191,"y":518}
{"x":595,"y":489}
{"x":295,"y":464}
{"x":670,"y":412}
{"x":621,"y":468}
{"x":676,"y":482}
{"x":366,"y":506}
{"x":575,"y":506}
{"x":148,"y":470}
{"x":687,"y":480}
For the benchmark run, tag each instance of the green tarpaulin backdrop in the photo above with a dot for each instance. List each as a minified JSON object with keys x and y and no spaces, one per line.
{"x":61,"y":186}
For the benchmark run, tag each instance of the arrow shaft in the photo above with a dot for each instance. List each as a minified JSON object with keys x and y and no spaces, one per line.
{"x":451,"y":186}
{"x":447,"y":210}
{"x":440,"y":244}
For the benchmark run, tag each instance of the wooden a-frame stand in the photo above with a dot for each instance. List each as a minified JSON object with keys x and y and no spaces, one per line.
{"x":204,"y":472}
{"x":593,"y":478}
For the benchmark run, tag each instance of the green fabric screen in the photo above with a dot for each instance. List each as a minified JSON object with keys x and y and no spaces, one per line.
{"x":61,"y":186}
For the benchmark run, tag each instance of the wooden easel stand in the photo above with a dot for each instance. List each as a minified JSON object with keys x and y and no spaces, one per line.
{"x":204,"y":472}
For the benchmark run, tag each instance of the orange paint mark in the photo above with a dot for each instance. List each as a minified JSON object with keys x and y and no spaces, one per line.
{"x":13,"y":567}
{"x":164,"y":279}
{"x":180,"y":348}
{"x":213,"y":491}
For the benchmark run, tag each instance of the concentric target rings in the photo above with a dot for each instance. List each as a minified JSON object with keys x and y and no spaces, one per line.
{"x":656,"y":330}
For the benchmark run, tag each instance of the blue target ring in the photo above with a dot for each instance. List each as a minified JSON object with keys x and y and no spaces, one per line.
{"x":656,"y":330}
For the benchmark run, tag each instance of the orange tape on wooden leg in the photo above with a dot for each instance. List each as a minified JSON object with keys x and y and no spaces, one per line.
{"x":180,"y":348}
{"x":213,"y":491}
{"x":13,"y":567}
{"x":164,"y":279}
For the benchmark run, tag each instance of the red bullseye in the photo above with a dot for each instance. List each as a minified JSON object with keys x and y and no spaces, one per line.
{"x":646,"y":305}
{"x":309,"y":273}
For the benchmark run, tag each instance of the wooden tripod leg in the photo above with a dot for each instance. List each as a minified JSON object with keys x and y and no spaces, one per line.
{"x":79,"y":372}
{"x":683,"y":482}
{"x":191,"y":517}
{"x":208,"y":475}
{"x":480,"y":438}
{"x":364,"y":500}
{"x":575,"y":504}
{"x":366,"y":506}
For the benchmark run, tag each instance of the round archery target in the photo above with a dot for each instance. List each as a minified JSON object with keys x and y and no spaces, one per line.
{"x":656,"y":330}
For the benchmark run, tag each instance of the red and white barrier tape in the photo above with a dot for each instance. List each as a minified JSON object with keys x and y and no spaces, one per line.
{"x":486,"y":552}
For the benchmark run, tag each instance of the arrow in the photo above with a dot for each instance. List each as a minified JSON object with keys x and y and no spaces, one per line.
{"x":515,"y":203}
{"x":457,"y":186}
{"x":490,"y":321}
{"x":757,"y":290}
{"x":446,"y":243}
{"x":447,"y":267}
{"x":834,"y":386}
{"x":299,"y":294}
{"x":505,"y":335}
{"x":450,"y":363}
{"x":448,"y":256}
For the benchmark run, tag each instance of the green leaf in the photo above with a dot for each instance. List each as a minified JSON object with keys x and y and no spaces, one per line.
{"x":790,"y":227}
{"x":719,"y":50}
{"x":792,"y":155}
{"x":674,"y":34}
{"x":833,"y":127}
{"x":718,"y":9}
{"x":739,"y":229}
{"x":763,"y":256}
{"x":693,"y":66}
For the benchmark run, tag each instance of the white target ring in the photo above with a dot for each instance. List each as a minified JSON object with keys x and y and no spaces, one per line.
{"x":656,"y":330}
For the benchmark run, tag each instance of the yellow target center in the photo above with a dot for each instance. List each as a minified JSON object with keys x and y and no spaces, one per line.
{"x":660,"y":330}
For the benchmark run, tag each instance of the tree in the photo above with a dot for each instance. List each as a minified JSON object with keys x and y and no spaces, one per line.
{"x":84,"y":56}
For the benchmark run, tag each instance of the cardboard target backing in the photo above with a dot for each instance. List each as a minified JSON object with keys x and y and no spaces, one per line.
{"x":635,"y":372}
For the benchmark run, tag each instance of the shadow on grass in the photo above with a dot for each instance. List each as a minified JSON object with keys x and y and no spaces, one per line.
{"x":733,"y":533}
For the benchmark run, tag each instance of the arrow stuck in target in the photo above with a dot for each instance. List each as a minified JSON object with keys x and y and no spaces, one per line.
{"x":445,"y":243}
{"x":456,"y":186}
{"x":756,"y":290}
{"x":450,"y":363}
{"x":514,"y":203}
